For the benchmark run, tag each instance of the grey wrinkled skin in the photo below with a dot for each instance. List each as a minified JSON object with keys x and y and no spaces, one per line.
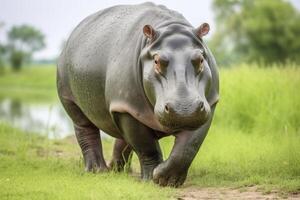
{"x":139,"y":73}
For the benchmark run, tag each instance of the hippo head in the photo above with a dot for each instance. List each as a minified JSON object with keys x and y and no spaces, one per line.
{"x":176,"y":76}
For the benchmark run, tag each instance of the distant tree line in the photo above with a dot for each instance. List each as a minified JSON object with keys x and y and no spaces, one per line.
{"x":264,"y":31}
{"x":260,"y":31}
{"x":2,"y":51}
{"x":22,"y":42}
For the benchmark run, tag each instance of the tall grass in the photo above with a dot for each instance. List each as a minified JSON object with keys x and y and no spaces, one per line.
{"x":264,"y":100}
{"x":255,"y":135}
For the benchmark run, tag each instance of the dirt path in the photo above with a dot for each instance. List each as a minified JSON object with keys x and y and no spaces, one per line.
{"x":193,"y":193}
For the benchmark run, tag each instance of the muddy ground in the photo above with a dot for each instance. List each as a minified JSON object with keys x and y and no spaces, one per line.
{"x":193,"y":193}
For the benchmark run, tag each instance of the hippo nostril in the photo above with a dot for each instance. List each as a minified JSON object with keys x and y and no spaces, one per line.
{"x":167,"y":108}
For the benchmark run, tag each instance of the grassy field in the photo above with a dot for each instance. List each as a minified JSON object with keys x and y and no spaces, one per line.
{"x":33,"y":167}
{"x":31,"y":84}
{"x":254,"y":140}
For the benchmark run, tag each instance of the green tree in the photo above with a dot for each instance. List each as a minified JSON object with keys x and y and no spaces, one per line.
{"x":256,"y":31}
{"x":23,"y":41}
{"x":2,"y":52}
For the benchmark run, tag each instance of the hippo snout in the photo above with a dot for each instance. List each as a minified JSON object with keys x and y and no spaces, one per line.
{"x":183,"y":114}
{"x":171,"y":109}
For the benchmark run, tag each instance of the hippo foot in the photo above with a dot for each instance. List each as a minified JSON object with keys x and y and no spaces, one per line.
{"x":148,"y":164}
{"x":169,"y":175}
{"x":94,"y":162}
{"x":147,"y":172}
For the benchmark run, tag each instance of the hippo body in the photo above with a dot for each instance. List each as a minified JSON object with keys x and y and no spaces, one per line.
{"x":119,"y":72}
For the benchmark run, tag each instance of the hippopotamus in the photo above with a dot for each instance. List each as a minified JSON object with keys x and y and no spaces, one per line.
{"x":139,"y":73}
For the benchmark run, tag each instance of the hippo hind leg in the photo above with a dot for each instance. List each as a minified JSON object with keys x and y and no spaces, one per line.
{"x":121,"y":157}
{"x":88,"y":138}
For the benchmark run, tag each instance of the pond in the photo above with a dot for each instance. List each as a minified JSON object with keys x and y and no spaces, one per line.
{"x":46,"y":119}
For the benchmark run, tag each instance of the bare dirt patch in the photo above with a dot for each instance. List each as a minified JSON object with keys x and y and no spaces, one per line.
{"x":193,"y":193}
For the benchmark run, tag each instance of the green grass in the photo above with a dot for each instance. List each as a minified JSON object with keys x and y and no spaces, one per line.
{"x":255,"y":136}
{"x":254,"y":140}
{"x":232,"y":158}
{"x":236,"y":159}
{"x":32,"y":83}
{"x":264,"y":100}
{"x":33,"y":167}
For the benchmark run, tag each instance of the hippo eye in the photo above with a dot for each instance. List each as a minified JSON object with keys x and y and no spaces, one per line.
{"x":160,"y":63}
{"x":201,"y":65}
{"x":157,"y":68}
{"x":201,"y":61}
{"x":198,"y":62}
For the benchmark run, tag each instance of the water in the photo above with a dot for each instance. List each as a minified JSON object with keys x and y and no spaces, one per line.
{"x":46,"y":119}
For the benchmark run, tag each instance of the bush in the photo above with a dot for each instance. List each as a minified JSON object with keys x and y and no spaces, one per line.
{"x":16,"y":60}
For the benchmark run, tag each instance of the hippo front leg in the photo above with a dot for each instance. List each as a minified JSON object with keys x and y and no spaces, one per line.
{"x":143,"y":142}
{"x":173,"y":171}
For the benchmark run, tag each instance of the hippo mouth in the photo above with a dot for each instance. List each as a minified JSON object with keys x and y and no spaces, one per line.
{"x":183,"y":115}
{"x":176,"y":129}
{"x":171,"y":125}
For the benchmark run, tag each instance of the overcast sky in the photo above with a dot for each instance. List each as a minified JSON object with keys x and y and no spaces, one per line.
{"x":57,"y":18}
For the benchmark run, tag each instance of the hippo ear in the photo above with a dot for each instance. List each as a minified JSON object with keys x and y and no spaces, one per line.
{"x":202,"y":30}
{"x":149,"y":32}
